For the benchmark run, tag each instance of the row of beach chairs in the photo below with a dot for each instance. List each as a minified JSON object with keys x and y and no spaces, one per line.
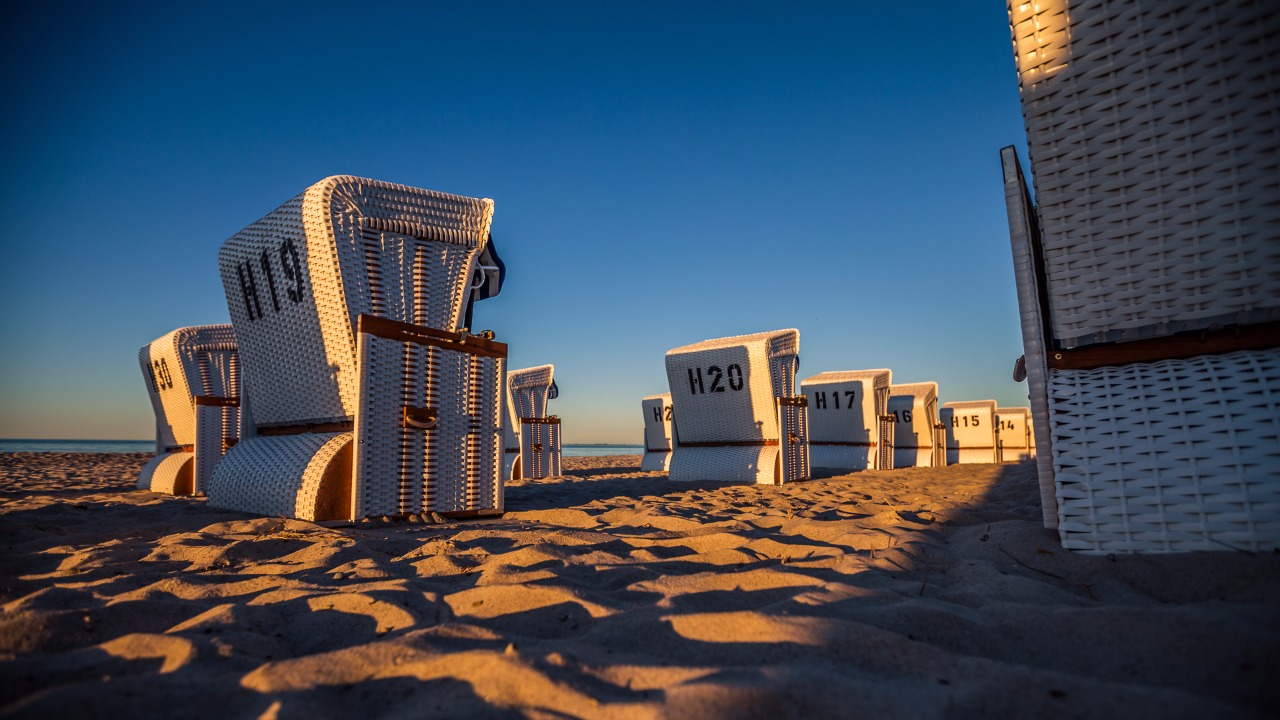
{"x":740,"y":419}
{"x":348,"y":384}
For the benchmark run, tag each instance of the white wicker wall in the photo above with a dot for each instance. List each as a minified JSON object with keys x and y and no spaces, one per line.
{"x":1152,"y":127}
{"x":970,"y":427}
{"x":1169,"y":456}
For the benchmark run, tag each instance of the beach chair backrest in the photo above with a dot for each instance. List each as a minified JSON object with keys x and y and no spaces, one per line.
{"x":971,"y":428}
{"x":844,"y":417}
{"x":658,"y":432}
{"x":914,"y":407}
{"x":529,"y":426}
{"x":738,"y":417}
{"x":1014,"y":439}
{"x":179,"y":366}
{"x":726,"y":389}
{"x":298,"y":280}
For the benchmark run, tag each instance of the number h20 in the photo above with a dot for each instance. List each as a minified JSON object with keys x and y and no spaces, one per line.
{"x":658,"y":411}
{"x":294,"y":285}
{"x":716,"y":375}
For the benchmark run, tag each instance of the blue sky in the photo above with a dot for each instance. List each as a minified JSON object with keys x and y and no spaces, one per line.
{"x":662,"y":173}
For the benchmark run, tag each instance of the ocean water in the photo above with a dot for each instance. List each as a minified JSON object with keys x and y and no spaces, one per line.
{"x":80,"y":446}
{"x":127,"y":446}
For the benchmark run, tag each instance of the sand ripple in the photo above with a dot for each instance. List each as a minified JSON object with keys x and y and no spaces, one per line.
{"x":612,"y":593}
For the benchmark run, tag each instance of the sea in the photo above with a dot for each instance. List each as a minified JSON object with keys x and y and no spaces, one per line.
{"x":131,"y":446}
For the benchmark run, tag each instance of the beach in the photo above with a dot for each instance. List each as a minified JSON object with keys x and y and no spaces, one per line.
{"x":615,"y":593}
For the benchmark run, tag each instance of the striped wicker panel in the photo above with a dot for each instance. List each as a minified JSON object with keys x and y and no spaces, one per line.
{"x":844,"y":418}
{"x":970,"y":428}
{"x":286,"y":476}
{"x":914,"y":407}
{"x":450,"y":463}
{"x":658,"y":433}
{"x":297,"y":279}
{"x":1152,"y":131}
{"x":1023,"y":238}
{"x":1013,"y":435}
{"x":529,"y":391}
{"x":725,"y":393}
{"x":1169,"y":456}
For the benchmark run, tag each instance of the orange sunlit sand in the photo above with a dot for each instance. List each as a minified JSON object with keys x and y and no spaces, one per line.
{"x":612,"y":592}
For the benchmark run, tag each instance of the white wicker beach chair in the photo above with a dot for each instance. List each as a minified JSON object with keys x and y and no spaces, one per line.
{"x":848,"y":424}
{"x":1014,"y":439}
{"x":532,"y":436}
{"x":739,"y":417}
{"x":369,"y":398}
{"x":918,"y":437}
{"x":1147,"y":282}
{"x":970,"y":427}
{"x":193,"y":378}
{"x":658,"y":433}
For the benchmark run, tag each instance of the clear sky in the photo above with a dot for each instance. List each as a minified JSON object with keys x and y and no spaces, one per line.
{"x":662,"y":172}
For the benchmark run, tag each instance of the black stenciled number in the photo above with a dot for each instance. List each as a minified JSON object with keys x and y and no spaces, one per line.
{"x":249,"y":289}
{"x":271,"y":280}
{"x":668,"y":409}
{"x":850,"y":397}
{"x":902,"y":416}
{"x":292,"y":270}
{"x":151,"y":375}
{"x":160,"y":376}
{"x":716,"y":376}
{"x":733,"y":373}
{"x":735,"y":376}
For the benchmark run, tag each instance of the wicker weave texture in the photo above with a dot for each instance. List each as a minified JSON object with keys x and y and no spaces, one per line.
{"x":725,"y":393}
{"x":915,"y":410}
{"x":658,"y":433}
{"x":1169,"y":456}
{"x":844,"y":418}
{"x":970,"y":427}
{"x":1013,"y":435}
{"x":1152,"y":132}
{"x":529,"y":392}
{"x":297,"y":279}
{"x":277,"y":476}
{"x":1024,"y":243}
{"x":168,"y":473}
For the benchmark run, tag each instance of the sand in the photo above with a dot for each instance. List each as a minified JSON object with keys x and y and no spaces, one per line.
{"x":615,"y":593}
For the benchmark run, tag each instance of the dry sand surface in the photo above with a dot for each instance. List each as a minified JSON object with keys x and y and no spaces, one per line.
{"x":615,"y":593}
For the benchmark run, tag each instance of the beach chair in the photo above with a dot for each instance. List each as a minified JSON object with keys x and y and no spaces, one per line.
{"x":658,"y":433}
{"x":739,"y":417}
{"x":848,"y":427}
{"x":1146,"y":271}
{"x":193,"y":379}
{"x":970,"y":427}
{"x":369,"y":397}
{"x":918,"y":437}
{"x":1014,"y":438}
{"x":532,"y":436}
